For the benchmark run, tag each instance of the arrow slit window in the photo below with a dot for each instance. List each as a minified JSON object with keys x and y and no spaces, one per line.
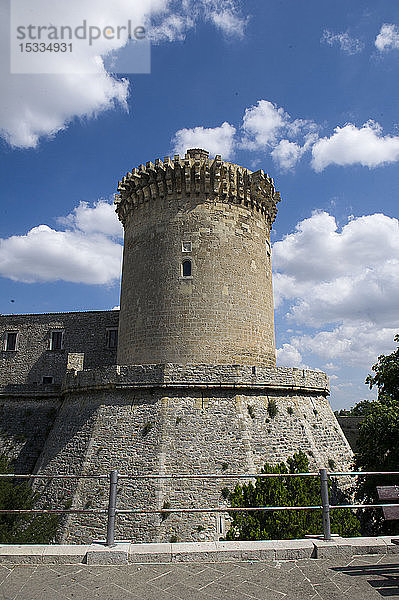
{"x":186,"y":269}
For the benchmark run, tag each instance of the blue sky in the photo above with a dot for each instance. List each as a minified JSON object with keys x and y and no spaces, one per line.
{"x":307,"y":91}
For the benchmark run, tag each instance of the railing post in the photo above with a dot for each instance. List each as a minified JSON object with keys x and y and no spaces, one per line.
{"x":113,"y":484}
{"x":325,"y":502}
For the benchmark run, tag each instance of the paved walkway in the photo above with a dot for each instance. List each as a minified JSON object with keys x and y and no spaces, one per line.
{"x":361,"y":578}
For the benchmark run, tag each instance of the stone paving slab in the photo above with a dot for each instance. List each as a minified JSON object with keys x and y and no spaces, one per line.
{"x":41,"y":553}
{"x":357,"y":578}
{"x":218,"y":552}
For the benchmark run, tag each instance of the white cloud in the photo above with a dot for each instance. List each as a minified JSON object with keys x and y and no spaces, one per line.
{"x":263,"y":126}
{"x":351,"y":145}
{"x":33,"y":107}
{"x":172,"y":28}
{"x":179,"y":16}
{"x":218,"y":140}
{"x":286,"y":154}
{"x":343,"y":386}
{"x":101,"y":218}
{"x":36,"y":106}
{"x":225,"y":15}
{"x":88,"y":251}
{"x":288,"y":356}
{"x":388,"y":38}
{"x":345,"y":283}
{"x":348,"y":44}
{"x":353,"y":345}
{"x":331,"y":367}
{"x":270,"y":128}
{"x":48,"y":103}
{"x":262,"y":123}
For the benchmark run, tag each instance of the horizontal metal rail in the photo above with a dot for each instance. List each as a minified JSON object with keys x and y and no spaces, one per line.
{"x":30,"y":476}
{"x":57,"y":511}
{"x":246,"y":509}
{"x":163,"y":511}
{"x":339,"y":473}
{"x":215,"y":510}
{"x":138,"y":477}
{"x":114,"y":478}
{"x":196,"y":476}
{"x":221,"y":476}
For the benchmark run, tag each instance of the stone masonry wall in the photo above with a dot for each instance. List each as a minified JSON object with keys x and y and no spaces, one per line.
{"x":84,"y":332}
{"x":199,"y":375}
{"x":24,"y":427}
{"x":223,"y":313}
{"x":350,"y":426}
{"x":168,"y":429}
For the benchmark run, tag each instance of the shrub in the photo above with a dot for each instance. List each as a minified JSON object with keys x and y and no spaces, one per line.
{"x":251,"y":411}
{"x":272,"y":408}
{"x":284,"y":491}
{"x":146,"y":429}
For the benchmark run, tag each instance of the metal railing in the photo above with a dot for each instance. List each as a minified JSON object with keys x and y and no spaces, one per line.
{"x":114,"y":477}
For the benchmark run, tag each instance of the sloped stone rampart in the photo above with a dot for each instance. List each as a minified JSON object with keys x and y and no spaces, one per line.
{"x":164,"y":420}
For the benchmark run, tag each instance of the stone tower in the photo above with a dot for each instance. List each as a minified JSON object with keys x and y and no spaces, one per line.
{"x":197,"y":280}
{"x":195,"y":389}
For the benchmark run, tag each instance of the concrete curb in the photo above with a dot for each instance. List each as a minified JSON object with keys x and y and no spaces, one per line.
{"x":124,"y":553}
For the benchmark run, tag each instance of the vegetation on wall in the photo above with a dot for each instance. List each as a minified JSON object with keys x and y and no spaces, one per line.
{"x":272,"y":408}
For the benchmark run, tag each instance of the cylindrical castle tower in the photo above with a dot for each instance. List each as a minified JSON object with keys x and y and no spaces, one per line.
{"x":197,"y":277}
{"x":185,"y":397}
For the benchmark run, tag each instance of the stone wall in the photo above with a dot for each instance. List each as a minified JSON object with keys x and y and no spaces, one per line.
{"x":140,"y":428}
{"x":233,"y":376}
{"x":84,"y":332}
{"x":25,"y":423}
{"x":350,"y":427}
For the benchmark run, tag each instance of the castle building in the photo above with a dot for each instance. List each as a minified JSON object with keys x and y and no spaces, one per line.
{"x":181,"y":380}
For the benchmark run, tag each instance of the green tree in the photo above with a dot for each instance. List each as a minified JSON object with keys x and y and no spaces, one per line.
{"x":378,"y":443}
{"x":284,"y":491}
{"x":21,"y":528}
{"x":386,"y":376}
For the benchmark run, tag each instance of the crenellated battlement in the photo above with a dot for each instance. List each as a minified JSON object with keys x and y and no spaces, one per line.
{"x":194,"y":175}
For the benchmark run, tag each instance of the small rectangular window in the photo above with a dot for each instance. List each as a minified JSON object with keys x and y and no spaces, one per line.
{"x":186,"y":246}
{"x":112,"y":338}
{"x":56,"y":340}
{"x":11,"y":341}
{"x":47,"y":380}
